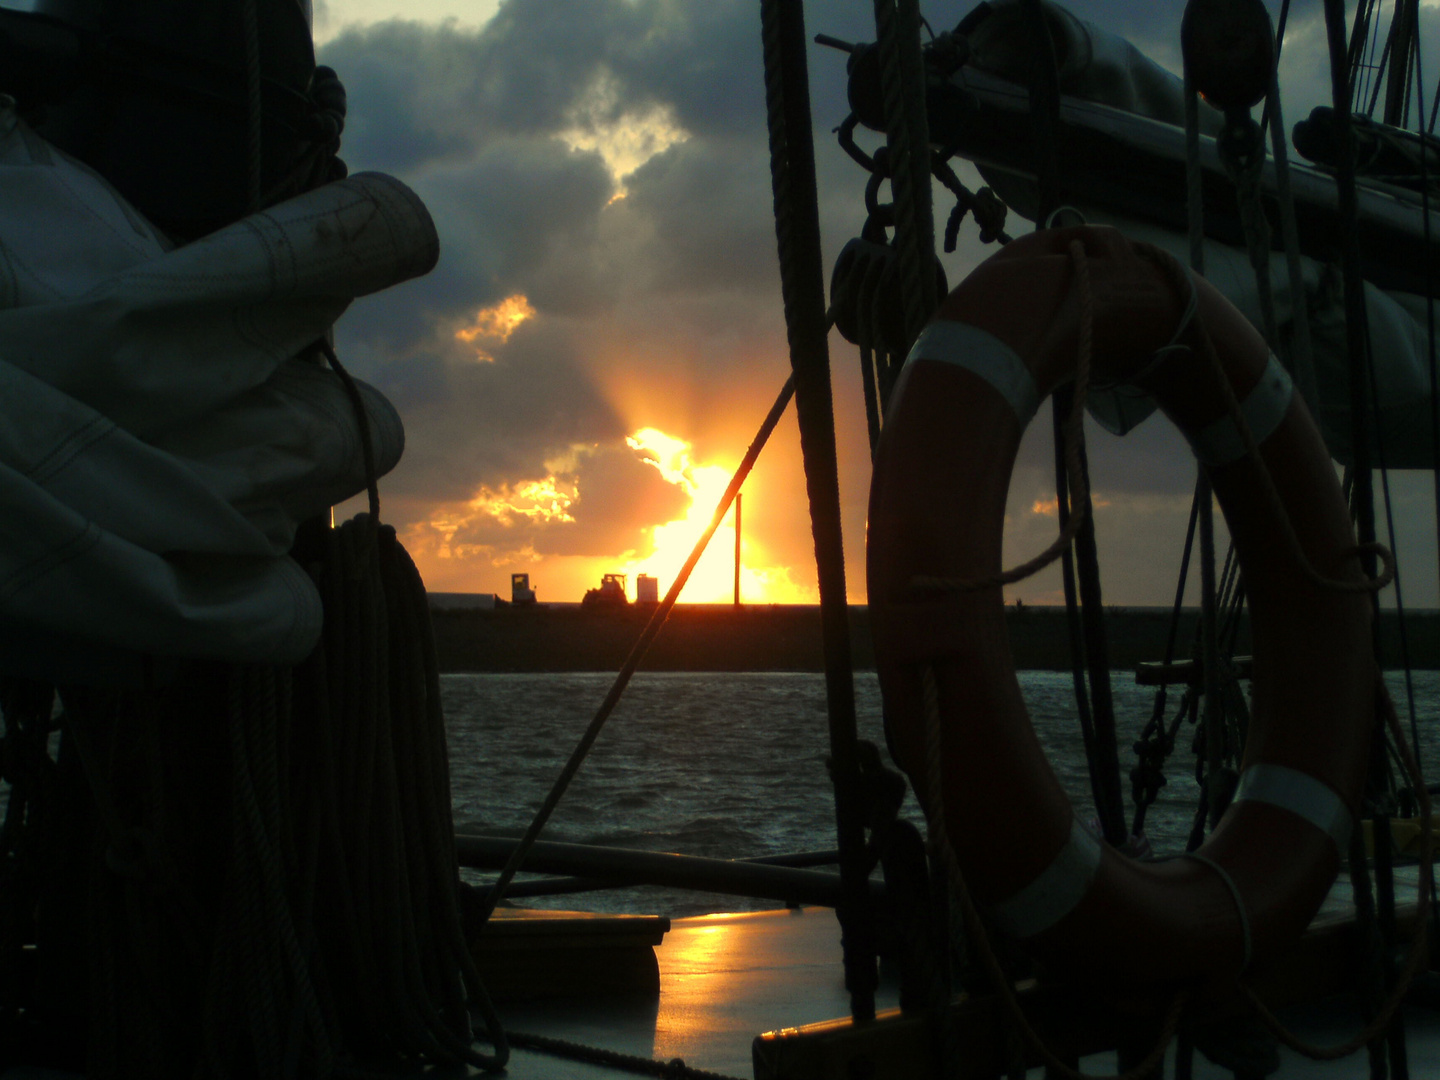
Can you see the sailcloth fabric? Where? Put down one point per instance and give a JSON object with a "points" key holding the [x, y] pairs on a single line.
{"points": [[163, 424], [1100, 67]]}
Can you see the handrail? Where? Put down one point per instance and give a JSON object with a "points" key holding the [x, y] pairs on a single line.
{"points": [[763, 880]]}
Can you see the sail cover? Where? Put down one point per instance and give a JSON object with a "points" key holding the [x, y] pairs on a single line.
{"points": [[163, 428], [1103, 69]]}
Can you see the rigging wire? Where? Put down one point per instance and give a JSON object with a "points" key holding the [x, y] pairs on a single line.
{"points": [[1434, 388], [1206, 769], [1362, 498], [632, 661], [1079, 565]]}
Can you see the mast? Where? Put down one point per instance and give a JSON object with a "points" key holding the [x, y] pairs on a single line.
{"points": [[738, 498]]}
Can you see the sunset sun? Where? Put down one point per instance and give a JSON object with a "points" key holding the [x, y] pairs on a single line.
{"points": [[713, 580]]}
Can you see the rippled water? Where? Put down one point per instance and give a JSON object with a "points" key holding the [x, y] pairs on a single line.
{"points": [[733, 766]]}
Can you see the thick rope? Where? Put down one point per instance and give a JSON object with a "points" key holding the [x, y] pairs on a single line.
{"points": [[1074, 432], [1302, 352], [979, 935], [1247, 176], [902, 80], [802, 287], [395, 959]]}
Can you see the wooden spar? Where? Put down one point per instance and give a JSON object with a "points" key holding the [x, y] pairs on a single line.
{"points": [[784, 883], [560, 886]]}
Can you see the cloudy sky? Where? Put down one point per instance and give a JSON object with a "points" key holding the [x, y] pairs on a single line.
{"points": [[604, 333]]}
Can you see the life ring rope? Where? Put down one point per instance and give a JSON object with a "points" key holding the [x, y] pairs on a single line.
{"points": [[1230, 438], [997, 363]]}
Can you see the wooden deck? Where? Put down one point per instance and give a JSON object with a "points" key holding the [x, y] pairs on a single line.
{"points": [[727, 978], [724, 979]]}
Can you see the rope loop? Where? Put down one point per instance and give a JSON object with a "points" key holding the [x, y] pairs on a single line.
{"points": [[1178, 274], [1074, 439]]}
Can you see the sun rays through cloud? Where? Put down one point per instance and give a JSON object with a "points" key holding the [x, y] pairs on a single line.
{"points": [[549, 524], [713, 578]]}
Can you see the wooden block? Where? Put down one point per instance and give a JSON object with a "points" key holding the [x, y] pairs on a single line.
{"points": [[896, 1046], [527, 954]]}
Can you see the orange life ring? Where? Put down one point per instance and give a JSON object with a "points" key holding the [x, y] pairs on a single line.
{"points": [[1000, 343]]}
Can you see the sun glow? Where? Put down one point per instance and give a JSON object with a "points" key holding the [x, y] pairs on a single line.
{"points": [[536, 501], [1051, 507], [494, 325], [713, 579]]}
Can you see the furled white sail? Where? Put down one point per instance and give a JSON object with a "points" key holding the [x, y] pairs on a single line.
{"points": [[1100, 72], [161, 434]]}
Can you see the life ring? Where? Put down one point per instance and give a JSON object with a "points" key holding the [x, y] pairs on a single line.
{"points": [[1000, 343]]}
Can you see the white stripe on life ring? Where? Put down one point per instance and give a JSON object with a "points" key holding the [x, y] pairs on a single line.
{"points": [[1300, 793], [982, 353], [1054, 894], [1264, 407]]}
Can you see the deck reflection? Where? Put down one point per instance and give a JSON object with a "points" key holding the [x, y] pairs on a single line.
{"points": [[726, 978]]}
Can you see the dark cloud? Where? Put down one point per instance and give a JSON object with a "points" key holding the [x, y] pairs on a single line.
{"points": [[699, 201], [610, 496], [618, 494], [523, 215], [663, 307], [470, 423]]}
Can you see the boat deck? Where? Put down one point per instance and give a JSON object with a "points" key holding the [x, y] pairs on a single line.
{"points": [[726, 978], [723, 980]]}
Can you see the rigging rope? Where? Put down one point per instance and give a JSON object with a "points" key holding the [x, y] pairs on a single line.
{"points": [[903, 78], [1074, 435], [276, 893], [797, 227]]}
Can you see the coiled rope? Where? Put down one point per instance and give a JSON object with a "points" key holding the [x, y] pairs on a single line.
{"points": [[276, 891], [902, 81]]}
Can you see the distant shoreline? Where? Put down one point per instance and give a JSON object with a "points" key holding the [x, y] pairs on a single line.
{"points": [[763, 637]]}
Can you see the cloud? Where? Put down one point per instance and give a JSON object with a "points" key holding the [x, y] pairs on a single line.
{"points": [[593, 503], [658, 309], [494, 325]]}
